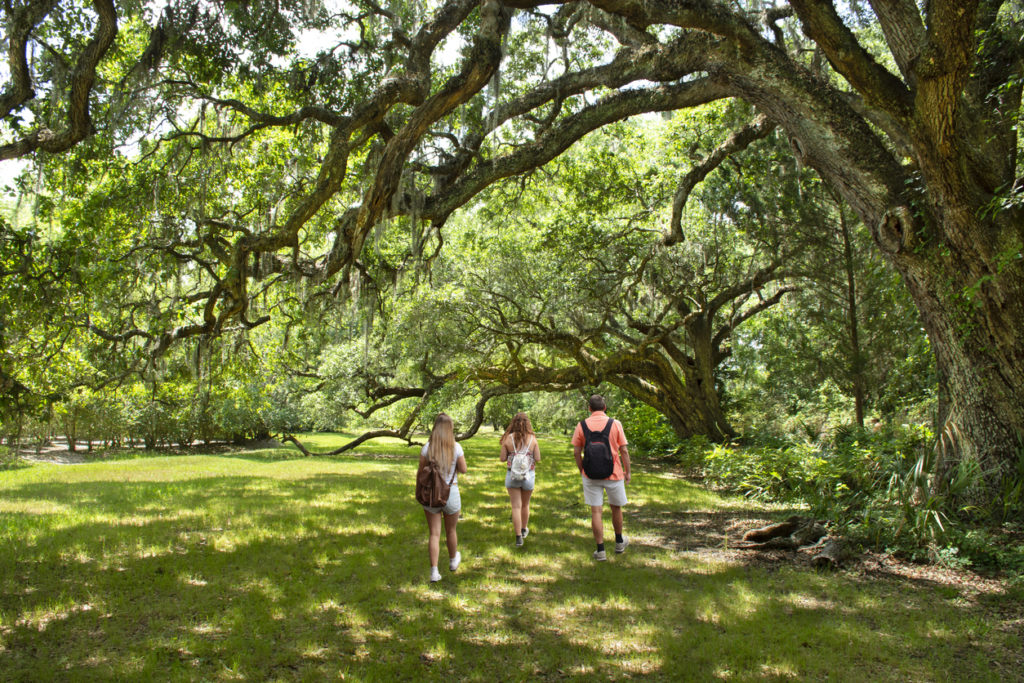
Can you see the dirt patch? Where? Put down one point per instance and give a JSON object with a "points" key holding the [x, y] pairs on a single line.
{"points": [[715, 535]]}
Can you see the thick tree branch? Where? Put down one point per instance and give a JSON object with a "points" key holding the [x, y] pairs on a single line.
{"points": [[739, 140], [79, 122], [561, 136], [880, 88], [904, 33], [20, 22]]}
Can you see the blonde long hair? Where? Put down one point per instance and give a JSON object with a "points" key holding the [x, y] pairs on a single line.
{"points": [[441, 446], [520, 429]]}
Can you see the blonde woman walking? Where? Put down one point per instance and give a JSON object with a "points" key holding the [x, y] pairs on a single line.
{"points": [[520, 453], [442, 449]]}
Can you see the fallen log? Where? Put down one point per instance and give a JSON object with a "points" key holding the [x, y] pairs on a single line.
{"points": [[795, 533], [766, 533], [777, 543], [832, 556]]}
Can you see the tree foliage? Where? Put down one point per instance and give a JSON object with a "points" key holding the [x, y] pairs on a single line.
{"points": [[231, 153]]}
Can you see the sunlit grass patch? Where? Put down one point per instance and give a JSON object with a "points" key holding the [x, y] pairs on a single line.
{"points": [[226, 568]]}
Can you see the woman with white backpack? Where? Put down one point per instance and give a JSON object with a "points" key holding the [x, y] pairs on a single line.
{"points": [[520, 453]]}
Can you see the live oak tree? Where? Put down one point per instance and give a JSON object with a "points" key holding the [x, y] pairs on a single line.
{"points": [[411, 109], [561, 283]]}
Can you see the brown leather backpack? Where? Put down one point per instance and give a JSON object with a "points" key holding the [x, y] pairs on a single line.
{"points": [[431, 488]]}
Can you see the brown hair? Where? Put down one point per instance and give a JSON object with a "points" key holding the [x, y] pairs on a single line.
{"points": [[441, 446], [520, 428], [597, 403]]}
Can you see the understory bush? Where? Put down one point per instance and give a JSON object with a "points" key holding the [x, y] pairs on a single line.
{"points": [[888, 489], [649, 432]]}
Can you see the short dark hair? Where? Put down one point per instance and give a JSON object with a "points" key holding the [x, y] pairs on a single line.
{"points": [[597, 403]]}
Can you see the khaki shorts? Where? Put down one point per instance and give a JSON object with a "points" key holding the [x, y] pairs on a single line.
{"points": [[593, 491]]}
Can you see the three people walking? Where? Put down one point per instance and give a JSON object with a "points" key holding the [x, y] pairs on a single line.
{"points": [[597, 438]]}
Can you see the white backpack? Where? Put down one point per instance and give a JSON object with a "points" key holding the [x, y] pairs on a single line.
{"points": [[521, 461]]}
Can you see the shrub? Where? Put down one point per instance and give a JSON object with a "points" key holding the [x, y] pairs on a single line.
{"points": [[648, 431], [886, 489]]}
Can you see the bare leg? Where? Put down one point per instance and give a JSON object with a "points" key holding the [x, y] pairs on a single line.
{"points": [[450, 536], [515, 496], [434, 543], [526, 508], [596, 524], [617, 518]]}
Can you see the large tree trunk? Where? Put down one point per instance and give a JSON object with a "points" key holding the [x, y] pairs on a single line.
{"points": [[688, 412], [937, 218], [976, 324]]}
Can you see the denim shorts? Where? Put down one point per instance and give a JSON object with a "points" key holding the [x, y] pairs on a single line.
{"points": [[593, 491], [454, 504], [525, 484]]}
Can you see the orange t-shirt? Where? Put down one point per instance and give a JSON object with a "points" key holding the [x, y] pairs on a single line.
{"points": [[616, 437]]}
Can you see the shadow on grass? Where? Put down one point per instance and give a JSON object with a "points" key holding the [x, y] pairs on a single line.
{"points": [[321, 574]]}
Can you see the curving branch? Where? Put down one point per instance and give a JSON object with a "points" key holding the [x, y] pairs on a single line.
{"points": [[21, 21], [79, 124], [738, 141], [562, 135]]}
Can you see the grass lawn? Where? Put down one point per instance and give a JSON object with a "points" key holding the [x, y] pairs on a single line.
{"points": [[263, 566]]}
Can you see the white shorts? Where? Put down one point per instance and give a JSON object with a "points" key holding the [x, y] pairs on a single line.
{"points": [[593, 491], [453, 505]]}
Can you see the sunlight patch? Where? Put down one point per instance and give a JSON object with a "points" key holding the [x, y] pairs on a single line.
{"points": [[777, 671], [43, 618], [193, 580], [497, 638], [35, 507]]}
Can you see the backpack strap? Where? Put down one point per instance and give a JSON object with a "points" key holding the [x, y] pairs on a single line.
{"points": [[607, 427], [455, 467], [586, 430]]}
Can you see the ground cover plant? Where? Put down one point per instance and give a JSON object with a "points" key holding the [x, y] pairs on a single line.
{"points": [[261, 565]]}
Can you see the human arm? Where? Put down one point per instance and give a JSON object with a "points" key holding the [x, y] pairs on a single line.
{"points": [[505, 451], [577, 446], [460, 460], [624, 459], [536, 450]]}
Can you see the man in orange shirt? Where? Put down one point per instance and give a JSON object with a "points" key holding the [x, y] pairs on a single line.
{"points": [[615, 484]]}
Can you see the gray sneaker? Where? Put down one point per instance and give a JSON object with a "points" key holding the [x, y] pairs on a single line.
{"points": [[526, 532], [519, 541], [621, 547], [600, 555]]}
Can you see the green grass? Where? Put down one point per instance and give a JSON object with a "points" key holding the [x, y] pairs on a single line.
{"points": [[262, 566]]}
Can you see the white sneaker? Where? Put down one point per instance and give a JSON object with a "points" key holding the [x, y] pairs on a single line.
{"points": [[435, 575], [526, 532], [453, 563], [600, 555], [621, 547]]}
